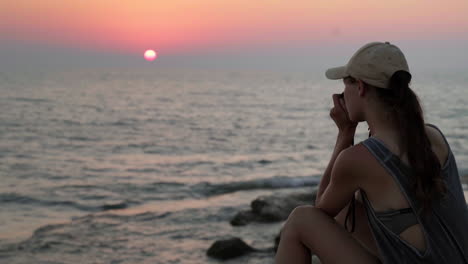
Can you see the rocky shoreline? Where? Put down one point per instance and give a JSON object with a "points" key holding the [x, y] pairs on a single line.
{"points": [[264, 209]]}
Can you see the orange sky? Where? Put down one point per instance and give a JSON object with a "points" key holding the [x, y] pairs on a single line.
{"points": [[184, 26]]}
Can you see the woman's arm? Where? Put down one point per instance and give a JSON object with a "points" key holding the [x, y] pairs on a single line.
{"points": [[343, 141], [346, 131], [343, 183]]}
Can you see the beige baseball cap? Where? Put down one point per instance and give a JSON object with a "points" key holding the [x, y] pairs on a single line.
{"points": [[374, 63]]}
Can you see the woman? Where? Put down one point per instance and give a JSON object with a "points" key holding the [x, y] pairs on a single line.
{"points": [[403, 182]]}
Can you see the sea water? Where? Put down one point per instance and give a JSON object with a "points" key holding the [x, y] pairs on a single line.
{"points": [[150, 165]]}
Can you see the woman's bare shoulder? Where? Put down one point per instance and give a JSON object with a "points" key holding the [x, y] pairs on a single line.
{"points": [[360, 159], [359, 153], [435, 136], [372, 177], [438, 144]]}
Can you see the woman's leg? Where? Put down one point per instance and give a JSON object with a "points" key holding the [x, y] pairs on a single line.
{"points": [[308, 228]]}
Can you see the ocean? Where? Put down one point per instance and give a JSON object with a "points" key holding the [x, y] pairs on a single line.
{"points": [[150, 165]]}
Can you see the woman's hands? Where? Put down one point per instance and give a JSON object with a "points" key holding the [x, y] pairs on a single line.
{"points": [[340, 116]]}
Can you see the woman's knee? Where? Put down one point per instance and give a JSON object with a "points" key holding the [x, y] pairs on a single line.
{"points": [[302, 211], [297, 219]]}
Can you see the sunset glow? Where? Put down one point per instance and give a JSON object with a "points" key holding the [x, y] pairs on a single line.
{"points": [[185, 26]]}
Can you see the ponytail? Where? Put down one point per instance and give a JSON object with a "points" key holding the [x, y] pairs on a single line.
{"points": [[427, 182]]}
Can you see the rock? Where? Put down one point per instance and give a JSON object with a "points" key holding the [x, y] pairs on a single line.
{"points": [[229, 248], [272, 208], [243, 217]]}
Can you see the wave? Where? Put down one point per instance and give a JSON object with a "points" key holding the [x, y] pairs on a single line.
{"points": [[168, 190], [14, 198], [278, 182], [30, 100], [77, 233], [95, 201]]}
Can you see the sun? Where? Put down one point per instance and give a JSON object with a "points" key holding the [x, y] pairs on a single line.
{"points": [[150, 55]]}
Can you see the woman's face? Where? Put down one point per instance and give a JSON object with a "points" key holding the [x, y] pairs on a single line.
{"points": [[351, 97]]}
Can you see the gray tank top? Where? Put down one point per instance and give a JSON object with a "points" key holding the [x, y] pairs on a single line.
{"points": [[446, 228]]}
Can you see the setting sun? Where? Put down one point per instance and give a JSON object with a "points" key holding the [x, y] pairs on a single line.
{"points": [[150, 55]]}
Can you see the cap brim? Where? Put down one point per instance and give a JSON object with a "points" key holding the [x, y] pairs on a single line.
{"points": [[336, 73]]}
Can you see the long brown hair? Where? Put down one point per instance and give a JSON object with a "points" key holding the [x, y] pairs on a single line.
{"points": [[427, 182]]}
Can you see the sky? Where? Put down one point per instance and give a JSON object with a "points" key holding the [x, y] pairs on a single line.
{"points": [[263, 33]]}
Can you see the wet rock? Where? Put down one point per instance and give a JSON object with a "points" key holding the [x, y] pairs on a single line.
{"points": [[273, 208], [243, 217], [229, 248]]}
